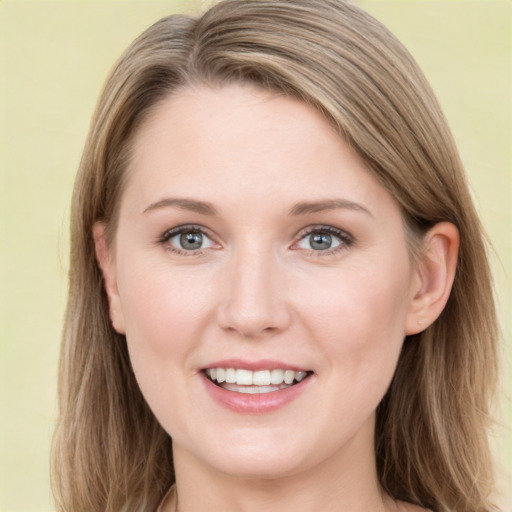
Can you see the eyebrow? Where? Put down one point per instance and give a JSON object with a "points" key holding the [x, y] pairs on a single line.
{"points": [[306, 207], [302, 208], [190, 205]]}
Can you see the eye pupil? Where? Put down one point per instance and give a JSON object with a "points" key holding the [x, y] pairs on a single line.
{"points": [[321, 241], [191, 240]]}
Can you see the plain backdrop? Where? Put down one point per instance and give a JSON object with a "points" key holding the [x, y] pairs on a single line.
{"points": [[54, 58]]}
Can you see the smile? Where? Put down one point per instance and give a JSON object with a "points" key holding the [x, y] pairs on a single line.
{"points": [[254, 382]]}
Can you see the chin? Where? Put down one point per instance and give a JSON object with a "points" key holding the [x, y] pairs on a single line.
{"points": [[254, 457], [259, 466]]}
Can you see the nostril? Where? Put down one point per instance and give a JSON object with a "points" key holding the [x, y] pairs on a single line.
{"points": [[253, 304]]}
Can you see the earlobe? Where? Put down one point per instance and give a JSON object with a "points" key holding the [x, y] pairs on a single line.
{"points": [[434, 276], [104, 258]]}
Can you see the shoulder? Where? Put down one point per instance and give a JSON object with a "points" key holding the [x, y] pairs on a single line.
{"points": [[169, 501]]}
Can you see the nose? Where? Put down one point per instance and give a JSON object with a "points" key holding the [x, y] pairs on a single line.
{"points": [[254, 303]]}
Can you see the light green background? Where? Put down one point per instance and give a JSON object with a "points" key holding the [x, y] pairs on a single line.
{"points": [[54, 58]]}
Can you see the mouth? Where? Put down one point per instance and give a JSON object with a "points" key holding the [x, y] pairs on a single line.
{"points": [[255, 382]]}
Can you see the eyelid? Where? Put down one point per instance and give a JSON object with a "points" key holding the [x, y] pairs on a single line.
{"points": [[346, 239], [184, 228]]}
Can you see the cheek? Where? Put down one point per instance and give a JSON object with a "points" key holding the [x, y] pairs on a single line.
{"points": [[359, 317], [359, 296], [165, 310], [166, 313]]}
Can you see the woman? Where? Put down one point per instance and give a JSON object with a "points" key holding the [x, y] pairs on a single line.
{"points": [[275, 263]]}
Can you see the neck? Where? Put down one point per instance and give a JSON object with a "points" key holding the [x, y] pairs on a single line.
{"points": [[344, 481]]}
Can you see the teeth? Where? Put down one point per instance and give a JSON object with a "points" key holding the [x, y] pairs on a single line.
{"points": [[289, 376], [261, 378], [299, 376], [221, 374], [276, 376], [244, 378], [253, 390], [231, 375], [268, 378]]}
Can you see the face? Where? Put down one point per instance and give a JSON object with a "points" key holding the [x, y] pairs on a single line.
{"points": [[262, 278]]}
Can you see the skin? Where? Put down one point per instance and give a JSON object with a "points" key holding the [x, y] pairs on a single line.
{"points": [[258, 290]]}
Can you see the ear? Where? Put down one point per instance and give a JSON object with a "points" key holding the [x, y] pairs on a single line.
{"points": [[434, 273], [107, 266]]}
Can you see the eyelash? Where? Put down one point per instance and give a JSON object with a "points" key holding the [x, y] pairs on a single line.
{"points": [[346, 240], [189, 228]]}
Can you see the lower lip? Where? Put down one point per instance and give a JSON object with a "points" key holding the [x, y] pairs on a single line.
{"points": [[259, 403]]}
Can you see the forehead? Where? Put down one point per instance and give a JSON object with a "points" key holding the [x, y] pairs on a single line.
{"points": [[238, 141], [234, 117]]}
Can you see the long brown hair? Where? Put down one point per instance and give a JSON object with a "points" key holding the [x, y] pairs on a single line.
{"points": [[109, 452]]}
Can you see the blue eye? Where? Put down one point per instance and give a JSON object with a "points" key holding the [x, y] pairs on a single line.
{"points": [[323, 239], [187, 239]]}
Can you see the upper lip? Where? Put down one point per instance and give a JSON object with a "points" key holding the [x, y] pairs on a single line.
{"points": [[260, 364]]}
